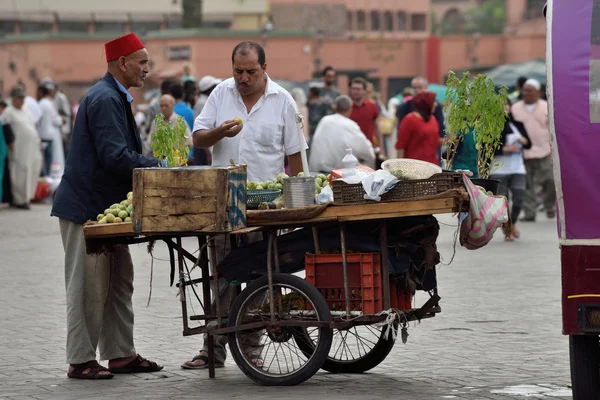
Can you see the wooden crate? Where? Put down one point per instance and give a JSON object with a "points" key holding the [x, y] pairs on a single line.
{"points": [[203, 199]]}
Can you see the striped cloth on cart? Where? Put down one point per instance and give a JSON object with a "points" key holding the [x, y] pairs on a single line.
{"points": [[486, 214]]}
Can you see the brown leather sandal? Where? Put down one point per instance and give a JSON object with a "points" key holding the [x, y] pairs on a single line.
{"points": [[93, 371], [136, 366]]}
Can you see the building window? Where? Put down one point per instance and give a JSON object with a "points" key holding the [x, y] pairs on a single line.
{"points": [[7, 27], [375, 21], [73, 26], [402, 21], [174, 24], [418, 22], [388, 21], [349, 22], [35, 27], [216, 24], [108, 27], [361, 21], [143, 27]]}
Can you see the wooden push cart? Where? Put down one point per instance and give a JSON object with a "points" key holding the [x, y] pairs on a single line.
{"points": [[280, 327], [281, 319]]}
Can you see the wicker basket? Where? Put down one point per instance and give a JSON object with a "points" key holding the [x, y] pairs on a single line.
{"points": [[255, 197], [409, 169], [344, 193]]}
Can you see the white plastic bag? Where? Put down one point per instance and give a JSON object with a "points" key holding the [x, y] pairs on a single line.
{"points": [[378, 183], [358, 177], [325, 196]]}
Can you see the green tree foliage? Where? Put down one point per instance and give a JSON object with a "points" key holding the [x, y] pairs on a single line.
{"points": [[191, 13], [488, 18], [170, 142], [477, 105]]}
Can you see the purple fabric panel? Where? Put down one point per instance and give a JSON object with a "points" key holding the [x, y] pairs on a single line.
{"points": [[578, 140]]}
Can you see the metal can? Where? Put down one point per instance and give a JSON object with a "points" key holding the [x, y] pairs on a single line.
{"points": [[299, 192]]}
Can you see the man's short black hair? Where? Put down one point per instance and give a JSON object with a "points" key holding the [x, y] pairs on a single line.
{"points": [[189, 86], [177, 91], [165, 87], [243, 49], [327, 69], [3, 104], [315, 91], [521, 81], [43, 89]]}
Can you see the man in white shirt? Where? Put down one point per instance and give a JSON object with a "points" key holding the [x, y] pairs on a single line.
{"points": [[336, 133], [267, 133], [49, 130]]}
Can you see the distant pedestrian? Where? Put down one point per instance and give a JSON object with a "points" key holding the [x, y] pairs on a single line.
{"points": [[300, 98], [329, 91], [419, 84], [418, 136], [365, 112], [517, 94], [25, 158], [49, 127], [181, 108], [318, 108], [533, 112], [511, 170], [154, 106]]}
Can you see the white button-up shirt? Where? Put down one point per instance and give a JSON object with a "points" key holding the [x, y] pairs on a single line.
{"points": [[269, 131], [334, 134]]}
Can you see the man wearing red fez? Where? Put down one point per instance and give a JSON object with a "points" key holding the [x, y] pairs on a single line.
{"points": [[105, 148]]}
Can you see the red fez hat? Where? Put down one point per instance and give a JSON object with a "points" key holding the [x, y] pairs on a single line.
{"points": [[122, 46]]}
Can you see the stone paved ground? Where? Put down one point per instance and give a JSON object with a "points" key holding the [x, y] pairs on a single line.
{"points": [[498, 336]]}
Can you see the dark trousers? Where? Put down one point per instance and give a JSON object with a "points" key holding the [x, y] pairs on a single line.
{"points": [[539, 173], [47, 158], [513, 187]]}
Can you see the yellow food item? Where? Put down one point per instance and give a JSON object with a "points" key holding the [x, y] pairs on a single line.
{"points": [[238, 120]]}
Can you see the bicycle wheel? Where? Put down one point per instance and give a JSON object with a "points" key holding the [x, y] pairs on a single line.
{"points": [[354, 350], [270, 356]]}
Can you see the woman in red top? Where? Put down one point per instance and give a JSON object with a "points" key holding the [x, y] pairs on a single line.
{"points": [[419, 133]]}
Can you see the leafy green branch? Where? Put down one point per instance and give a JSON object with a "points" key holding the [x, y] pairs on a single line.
{"points": [[477, 105], [170, 142]]}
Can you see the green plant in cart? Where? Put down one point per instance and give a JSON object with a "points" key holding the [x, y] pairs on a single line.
{"points": [[479, 106], [170, 141]]}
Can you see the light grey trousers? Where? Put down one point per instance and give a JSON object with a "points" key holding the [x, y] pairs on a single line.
{"points": [[99, 291]]}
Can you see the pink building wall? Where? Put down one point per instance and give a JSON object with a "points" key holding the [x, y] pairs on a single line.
{"points": [[80, 62]]}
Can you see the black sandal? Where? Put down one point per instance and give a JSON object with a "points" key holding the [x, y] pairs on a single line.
{"points": [[203, 366], [135, 366], [93, 373]]}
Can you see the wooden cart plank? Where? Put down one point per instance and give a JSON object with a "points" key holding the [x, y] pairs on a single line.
{"points": [[182, 178], [108, 230], [375, 211], [156, 206], [187, 222]]}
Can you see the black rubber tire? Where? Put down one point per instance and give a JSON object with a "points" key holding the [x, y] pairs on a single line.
{"points": [[314, 361], [585, 366], [369, 361]]}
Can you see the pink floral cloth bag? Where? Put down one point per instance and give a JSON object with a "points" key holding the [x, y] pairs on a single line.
{"points": [[486, 214]]}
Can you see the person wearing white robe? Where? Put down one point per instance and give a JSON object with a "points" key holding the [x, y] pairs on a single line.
{"points": [[25, 158], [49, 128]]}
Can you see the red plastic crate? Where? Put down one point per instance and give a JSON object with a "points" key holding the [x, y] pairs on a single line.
{"points": [[325, 272], [400, 297]]}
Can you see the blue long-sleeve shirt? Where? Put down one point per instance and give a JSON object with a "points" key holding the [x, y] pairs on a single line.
{"points": [[105, 149]]}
